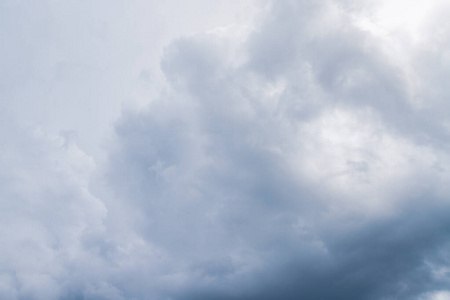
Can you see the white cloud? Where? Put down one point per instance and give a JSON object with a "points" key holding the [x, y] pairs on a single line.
{"points": [[46, 212]]}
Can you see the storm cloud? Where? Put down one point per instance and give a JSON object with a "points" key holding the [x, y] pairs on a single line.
{"points": [[301, 153]]}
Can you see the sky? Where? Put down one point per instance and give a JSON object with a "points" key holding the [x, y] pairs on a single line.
{"points": [[224, 150]]}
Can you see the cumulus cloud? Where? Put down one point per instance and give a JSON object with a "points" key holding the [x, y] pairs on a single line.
{"points": [[47, 214], [302, 154], [302, 160]]}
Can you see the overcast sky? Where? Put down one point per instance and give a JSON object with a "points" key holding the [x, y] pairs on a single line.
{"points": [[224, 150]]}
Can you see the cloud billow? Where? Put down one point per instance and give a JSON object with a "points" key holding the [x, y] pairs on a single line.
{"points": [[295, 164], [302, 154]]}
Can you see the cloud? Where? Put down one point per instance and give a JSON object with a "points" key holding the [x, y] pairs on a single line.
{"points": [[47, 214], [302, 154], [295, 161]]}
